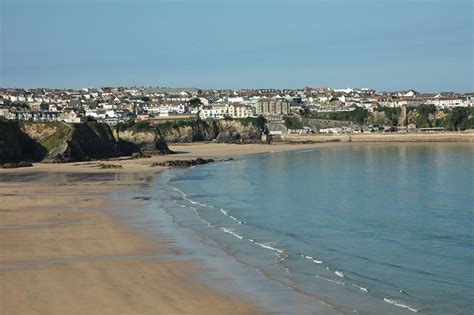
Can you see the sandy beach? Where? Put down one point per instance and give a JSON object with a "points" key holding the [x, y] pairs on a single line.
{"points": [[62, 253]]}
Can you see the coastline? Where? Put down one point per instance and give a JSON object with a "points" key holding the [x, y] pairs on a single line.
{"points": [[445, 136], [63, 252]]}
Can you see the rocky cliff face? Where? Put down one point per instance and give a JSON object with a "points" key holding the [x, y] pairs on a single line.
{"points": [[61, 142], [15, 145], [228, 131], [188, 131], [72, 142], [145, 141]]}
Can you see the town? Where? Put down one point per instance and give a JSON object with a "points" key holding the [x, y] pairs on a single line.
{"points": [[306, 110]]}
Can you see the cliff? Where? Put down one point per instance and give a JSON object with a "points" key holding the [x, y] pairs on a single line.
{"points": [[72, 142], [229, 131], [15, 145], [62, 142], [140, 138]]}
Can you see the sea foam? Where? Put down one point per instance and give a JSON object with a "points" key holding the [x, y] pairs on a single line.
{"points": [[231, 232], [401, 304]]}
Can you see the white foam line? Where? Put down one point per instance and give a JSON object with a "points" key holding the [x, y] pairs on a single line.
{"points": [[281, 256], [400, 304], [231, 232], [319, 262], [340, 274], [361, 288], [330, 280], [226, 213], [192, 201], [235, 219], [270, 248], [200, 218]]}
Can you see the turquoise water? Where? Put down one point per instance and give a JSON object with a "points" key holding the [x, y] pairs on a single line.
{"points": [[371, 229]]}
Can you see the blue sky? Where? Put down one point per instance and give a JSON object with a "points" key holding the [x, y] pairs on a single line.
{"points": [[387, 45]]}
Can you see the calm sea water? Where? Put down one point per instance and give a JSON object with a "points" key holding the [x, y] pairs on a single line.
{"points": [[373, 229]]}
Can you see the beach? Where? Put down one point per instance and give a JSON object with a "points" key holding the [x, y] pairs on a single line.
{"points": [[62, 252]]}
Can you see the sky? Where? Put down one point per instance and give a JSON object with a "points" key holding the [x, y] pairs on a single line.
{"points": [[383, 44]]}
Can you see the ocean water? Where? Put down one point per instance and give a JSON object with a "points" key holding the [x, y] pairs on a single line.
{"points": [[369, 229]]}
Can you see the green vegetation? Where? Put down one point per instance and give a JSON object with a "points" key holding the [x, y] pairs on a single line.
{"points": [[427, 116], [424, 116], [258, 122], [168, 125], [195, 102], [460, 118], [139, 126], [358, 116], [391, 115], [58, 138], [293, 122]]}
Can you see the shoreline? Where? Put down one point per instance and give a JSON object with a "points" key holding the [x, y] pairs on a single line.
{"points": [[72, 246], [64, 251]]}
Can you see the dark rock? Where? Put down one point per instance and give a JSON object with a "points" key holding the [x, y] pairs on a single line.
{"points": [[17, 165], [142, 198], [110, 166], [183, 163]]}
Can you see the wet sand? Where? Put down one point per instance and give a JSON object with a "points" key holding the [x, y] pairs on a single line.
{"points": [[62, 253], [184, 152]]}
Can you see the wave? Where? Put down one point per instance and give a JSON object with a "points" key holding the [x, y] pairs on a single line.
{"points": [[231, 232], [281, 256], [330, 280], [401, 304], [201, 218], [270, 247], [226, 213], [340, 274], [192, 201], [319, 262], [360, 288], [223, 211]]}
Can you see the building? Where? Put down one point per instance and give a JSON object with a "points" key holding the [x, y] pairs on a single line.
{"points": [[216, 111], [273, 106], [240, 111], [70, 116], [4, 112]]}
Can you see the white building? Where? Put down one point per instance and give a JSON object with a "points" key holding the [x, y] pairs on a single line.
{"points": [[241, 111], [444, 102], [216, 111]]}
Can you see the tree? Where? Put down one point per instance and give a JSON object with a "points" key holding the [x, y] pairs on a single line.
{"points": [[261, 121], [458, 119], [293, 122], [195, 102]]}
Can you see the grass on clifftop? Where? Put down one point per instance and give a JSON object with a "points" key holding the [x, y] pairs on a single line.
{"points": [[56, 139]]}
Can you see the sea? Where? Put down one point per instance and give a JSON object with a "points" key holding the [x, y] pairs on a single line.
{"points": [[354, 229]]}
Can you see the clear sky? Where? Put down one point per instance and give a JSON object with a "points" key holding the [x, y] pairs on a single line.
{"points": [[385, 44]]}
